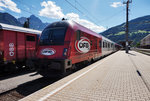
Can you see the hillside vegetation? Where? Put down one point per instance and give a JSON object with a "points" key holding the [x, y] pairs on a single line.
{"points": [[138, 28]]}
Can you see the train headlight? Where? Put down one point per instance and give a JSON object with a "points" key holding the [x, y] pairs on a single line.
{"points": [[1, 53], [65, 51]]}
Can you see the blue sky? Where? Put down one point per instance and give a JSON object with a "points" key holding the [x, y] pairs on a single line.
{"points": [[98, 15]]}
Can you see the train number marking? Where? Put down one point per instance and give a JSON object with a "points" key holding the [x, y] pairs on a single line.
{"points": [[11, 49], [48, 51], [83, 45]]}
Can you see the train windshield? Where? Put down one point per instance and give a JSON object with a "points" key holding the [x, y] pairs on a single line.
{"points": [[53, 36]]}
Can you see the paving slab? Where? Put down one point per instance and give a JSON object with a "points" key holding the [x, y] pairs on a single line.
{"points": [[113, 78]]}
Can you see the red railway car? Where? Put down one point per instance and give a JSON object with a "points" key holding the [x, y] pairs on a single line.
{"points": [[64, 44], [17, 45]]}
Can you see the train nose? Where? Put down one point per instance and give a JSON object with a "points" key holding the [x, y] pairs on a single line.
{"points": [[53, 52]]}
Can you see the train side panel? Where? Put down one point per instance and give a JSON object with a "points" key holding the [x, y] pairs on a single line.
{"points": [[9, 45], [87, 47]]}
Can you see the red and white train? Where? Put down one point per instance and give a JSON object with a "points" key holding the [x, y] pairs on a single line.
{"points": [[17, 46], [64, 44]]}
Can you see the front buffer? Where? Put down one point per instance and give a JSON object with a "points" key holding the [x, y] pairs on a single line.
{"points": [[53, 67]]}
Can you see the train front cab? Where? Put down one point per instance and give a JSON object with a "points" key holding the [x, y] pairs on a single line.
{"points": [[53, 49]]}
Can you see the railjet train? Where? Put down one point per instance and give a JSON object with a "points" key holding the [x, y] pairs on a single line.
{"points": [[65, 44]]}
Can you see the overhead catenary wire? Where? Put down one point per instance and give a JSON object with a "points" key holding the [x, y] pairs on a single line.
{"points": [[73, 7], [86, 10], [80, 11], [95, 18], [110, 17]]}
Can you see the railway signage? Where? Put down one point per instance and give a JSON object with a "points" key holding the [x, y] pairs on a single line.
{"points": [[48, 51], [83, 45], [11, 49]]}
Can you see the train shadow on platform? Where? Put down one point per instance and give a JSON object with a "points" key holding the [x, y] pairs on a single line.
{"points": [[35, 85]]}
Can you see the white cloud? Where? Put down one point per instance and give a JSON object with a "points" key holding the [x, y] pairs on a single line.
{"points": [[51, 10], [10, 5], [1, 9], [83, 22], [116, 4]]}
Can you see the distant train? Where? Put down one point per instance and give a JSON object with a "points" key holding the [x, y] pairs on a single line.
{"points": [[65, 44], [17, 46], [145, 42]]}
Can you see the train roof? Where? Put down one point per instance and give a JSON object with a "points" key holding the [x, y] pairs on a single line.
{"points": [[84, 29], [19, 29], [108, 39], [74, 25]]}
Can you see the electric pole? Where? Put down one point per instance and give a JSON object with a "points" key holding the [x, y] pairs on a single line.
{"points": [[127, 23]]}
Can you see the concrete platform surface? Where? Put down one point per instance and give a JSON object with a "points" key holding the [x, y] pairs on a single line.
{"points": [[118, 77]]}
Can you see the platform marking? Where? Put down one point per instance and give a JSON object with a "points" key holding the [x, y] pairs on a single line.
{"points": [[69, 82]]}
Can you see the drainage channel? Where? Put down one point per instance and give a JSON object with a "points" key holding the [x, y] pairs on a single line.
{"points": [[139, 73]]}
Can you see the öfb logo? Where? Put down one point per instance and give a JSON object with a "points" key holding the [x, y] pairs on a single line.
{"points": [[83, 45]]}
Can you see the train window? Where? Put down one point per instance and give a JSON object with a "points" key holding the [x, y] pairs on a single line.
{"points": [[106, 44], [78, 34], [91, 43], [53, 36], [96, 43], [103, 44], [30, 38], [100, 43]]}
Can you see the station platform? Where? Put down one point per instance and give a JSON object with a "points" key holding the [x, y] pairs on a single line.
{"points": [[118, 77]]}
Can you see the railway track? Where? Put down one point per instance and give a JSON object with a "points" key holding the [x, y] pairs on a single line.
{"points": [[25, 89], [143, 51], [11, 86]]}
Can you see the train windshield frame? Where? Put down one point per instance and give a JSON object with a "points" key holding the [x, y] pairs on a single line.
{"points": [[53, 36]]}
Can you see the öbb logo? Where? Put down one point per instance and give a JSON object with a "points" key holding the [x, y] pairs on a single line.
{"points": [[48, 51], [11, 49], [83, 45]]}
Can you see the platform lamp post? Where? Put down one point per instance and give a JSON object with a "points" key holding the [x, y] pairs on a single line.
{"points": [[127, 24]]}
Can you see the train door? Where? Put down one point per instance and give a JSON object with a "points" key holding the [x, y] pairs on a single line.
{"points": [[30, 45], [20, 46], [96, 50], [100, 46]]}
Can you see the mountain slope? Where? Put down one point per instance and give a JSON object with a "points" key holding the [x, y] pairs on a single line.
{"points": [[138, 28], [35, 22], [9, 19], [22, 20]]}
